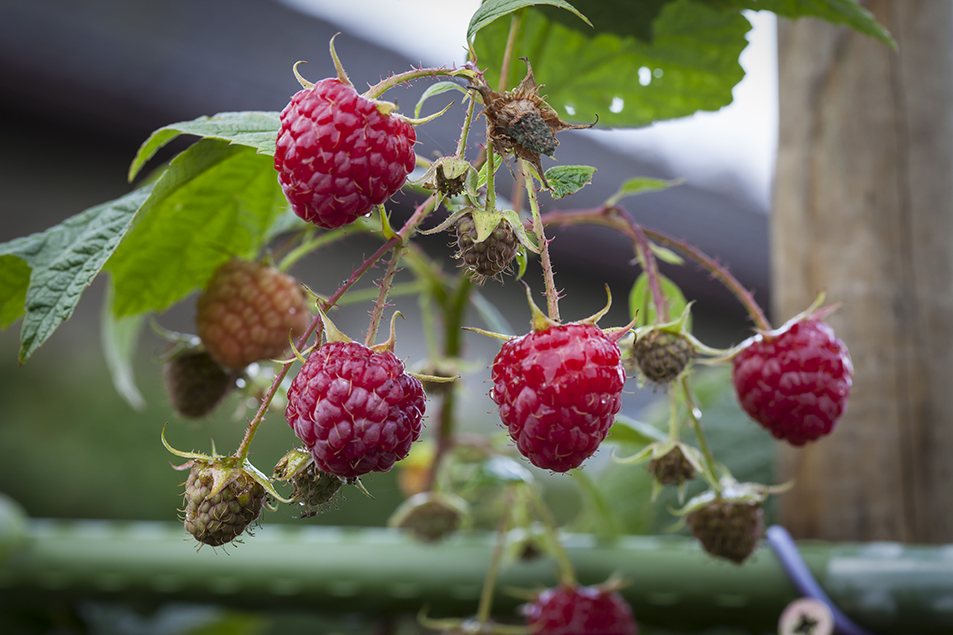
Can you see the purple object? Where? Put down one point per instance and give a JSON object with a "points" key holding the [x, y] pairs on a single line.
{"points": [[786, 551]]}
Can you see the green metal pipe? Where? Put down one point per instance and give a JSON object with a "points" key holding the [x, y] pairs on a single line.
{"points": [[672, 582]]}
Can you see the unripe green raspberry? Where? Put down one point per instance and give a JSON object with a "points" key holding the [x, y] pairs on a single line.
{"points": [[195, 383], [487, 258], [248, 311], [662, 355]]}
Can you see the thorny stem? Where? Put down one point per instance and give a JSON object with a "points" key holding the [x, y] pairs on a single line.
{"points": [[419, 214], [618, 218], [381, 87], [385, 286], [712, 475], [465, 130], [674, 423], [489, 582], [552, 295], [650, 266]]}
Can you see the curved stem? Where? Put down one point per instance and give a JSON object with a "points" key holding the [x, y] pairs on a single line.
{"points": [[489, 582], [385, 286], [383, 86], [618, 218], [552, 295], [567, 573]]}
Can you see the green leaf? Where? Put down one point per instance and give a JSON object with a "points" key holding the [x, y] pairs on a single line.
{"points": [[215, 201], [14, 281], [490, 10], [63, 260], [568, 179], [633, 432], [640, 299], [484, 173], [491, 316], [666, 255], [119, 339], [258, 130], [690, 64], [639, 185], [843, 12], [436, 89]]}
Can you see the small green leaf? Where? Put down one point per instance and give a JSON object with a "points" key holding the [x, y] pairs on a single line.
{"points": [[215, 201], [485, 169], [258, 130], [490, 10], [119, 339], [639, 185], [63, 261], [666, 255], [633, 432], [640, 300], [568, 179], [437, 89]]}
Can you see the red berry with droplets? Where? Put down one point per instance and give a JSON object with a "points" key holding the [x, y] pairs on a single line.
{"points": [[355, 409], [558, 390], [338, 155], [574, 610], [795, 382]]}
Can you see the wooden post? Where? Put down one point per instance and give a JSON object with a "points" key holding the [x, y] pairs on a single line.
{"points": [[864, 210]]}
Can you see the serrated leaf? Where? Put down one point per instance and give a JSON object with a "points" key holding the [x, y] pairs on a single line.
{"points": [[639, 185], [640, 300], [255, 129], [568, 179], [633, 432], [491, 10], [119, 338], [845, 12], [215, 201], [63, 260], [437, 89], [14, 281], [690, 64]]}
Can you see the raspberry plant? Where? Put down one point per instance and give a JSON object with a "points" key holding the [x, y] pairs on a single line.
{"points": [[260, 186]]}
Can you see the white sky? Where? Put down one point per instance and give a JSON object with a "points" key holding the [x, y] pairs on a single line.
{"points": [[725, 150]]}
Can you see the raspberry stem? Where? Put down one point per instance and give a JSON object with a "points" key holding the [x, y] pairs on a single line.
{"points": [[383, 86], [489, 582], [618, 218], [693, 416], [650, 266], [567, 574], [385, 285], [516, 19], [552, 295]]}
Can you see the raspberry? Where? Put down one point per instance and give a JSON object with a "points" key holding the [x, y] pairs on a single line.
{"points": [[357, 410], [728, 529], [247, 312], [795, 382], [195, 383], [338, 155], [430, 516], [558, 391], [575, 610], [220, 502], [491, 256], [662, 356]]}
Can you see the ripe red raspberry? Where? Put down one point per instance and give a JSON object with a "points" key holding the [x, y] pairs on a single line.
{"points": [[247, 312], [338, 155], [566, 610], [795, 382], [355, 409], [558, 391]]}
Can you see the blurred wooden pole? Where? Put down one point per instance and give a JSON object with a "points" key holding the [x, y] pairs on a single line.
{"points": [[864, 210]]}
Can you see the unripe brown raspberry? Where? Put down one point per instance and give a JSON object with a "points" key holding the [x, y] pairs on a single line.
{"points": [[248, 311], [728, 529], [220, 502], [672, 468], [662, 355], [195, 383], [491, 256]]}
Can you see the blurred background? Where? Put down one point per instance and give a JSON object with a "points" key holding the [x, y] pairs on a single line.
{"points": [[82, 84]]}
